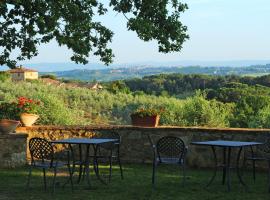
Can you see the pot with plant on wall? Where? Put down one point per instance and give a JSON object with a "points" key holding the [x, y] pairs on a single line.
{"points": [[146, 117], [28, 109], [8, 117]]}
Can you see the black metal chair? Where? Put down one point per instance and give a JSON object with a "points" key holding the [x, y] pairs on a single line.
{"points": [[43, 157], [169, 150], [261, 153], [110, 151]]}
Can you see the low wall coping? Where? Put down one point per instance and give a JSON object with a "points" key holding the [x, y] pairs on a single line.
{"points": [[129, 127]]}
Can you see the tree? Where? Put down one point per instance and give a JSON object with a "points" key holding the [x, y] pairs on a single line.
{"points": [[25, 24]]}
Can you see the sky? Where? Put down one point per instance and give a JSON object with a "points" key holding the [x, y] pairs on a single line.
{"points": [[219, 30]]}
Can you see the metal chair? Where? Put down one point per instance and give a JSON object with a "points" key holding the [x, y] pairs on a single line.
{"points": [[110, 151], [261, 153], [169, 150], [43, 157]]}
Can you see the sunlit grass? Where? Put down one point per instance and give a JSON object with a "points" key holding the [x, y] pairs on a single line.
{"points": [[136, 185]]}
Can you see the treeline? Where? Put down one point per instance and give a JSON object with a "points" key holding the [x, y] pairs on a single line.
{"points": [[175, 84]]}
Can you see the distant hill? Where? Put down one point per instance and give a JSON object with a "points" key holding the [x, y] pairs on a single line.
{"points": [[66, 66], [138, 72]]}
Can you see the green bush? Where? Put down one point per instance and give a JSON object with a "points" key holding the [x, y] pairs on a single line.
{"points": [[197, 111], [50, 76], [4, 76]]}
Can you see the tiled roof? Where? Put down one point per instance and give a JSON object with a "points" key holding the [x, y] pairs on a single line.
{"points": [[21, 70]]}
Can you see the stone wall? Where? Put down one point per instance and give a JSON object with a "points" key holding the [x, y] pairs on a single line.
{"points": [[13, 150], [136, 148]]}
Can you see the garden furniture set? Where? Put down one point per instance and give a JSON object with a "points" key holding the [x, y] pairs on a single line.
{"points": [[167, 150]]}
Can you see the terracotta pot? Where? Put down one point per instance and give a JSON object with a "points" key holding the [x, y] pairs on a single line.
{"points": [[147, 121], [8, 126], [28, 119]]}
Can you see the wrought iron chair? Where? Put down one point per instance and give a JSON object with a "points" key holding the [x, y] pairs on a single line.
{"points": [[169, 150], [261, 153], [43, 157], [110, 152]]}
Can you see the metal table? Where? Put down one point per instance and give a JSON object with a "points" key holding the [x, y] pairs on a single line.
{"points": [[85, 141], [226, 165]]}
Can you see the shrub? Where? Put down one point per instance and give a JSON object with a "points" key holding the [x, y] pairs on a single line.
{"points": [[4, 76], [50, 76], [197, 111]]}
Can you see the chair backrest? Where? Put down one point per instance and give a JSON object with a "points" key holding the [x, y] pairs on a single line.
{"points": [[108, 135], [265, 147], [40, 149], [170, 147]]}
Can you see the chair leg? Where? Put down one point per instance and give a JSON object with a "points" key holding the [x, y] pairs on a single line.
{"points": [[243, 168], [54, 178], [154, 173], [44, 179], [254, 170], [119, 163], [96, 165], [269, 175], [120, 166], [70, 171], [29, 177], [184, 173], [110, 173], [110, 160]]}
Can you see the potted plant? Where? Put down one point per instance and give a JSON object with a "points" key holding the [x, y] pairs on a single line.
{"points": [[8, 112], [147, 117], [8, 126], [29, 110]]}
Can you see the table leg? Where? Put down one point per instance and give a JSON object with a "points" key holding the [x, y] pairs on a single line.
{"points": [[95, 160], [95, 147], [71, 171], [81, 163], [87, 165], [224, 165], [238, 168], [228, 166], [216, 166]]}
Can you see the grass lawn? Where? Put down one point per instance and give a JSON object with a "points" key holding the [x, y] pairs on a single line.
{"points": [[136, 185]]}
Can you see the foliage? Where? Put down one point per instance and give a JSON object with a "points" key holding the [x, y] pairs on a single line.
{"points": [[179, 84], [50, 76], [9, 110], [4, 76], [80, 106], [117, 86], [143, 112], [27, 105], [198, 111], [250, 103], [26, 24]]}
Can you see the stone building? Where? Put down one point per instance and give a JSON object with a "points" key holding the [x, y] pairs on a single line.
{"points": [[22, 74]]}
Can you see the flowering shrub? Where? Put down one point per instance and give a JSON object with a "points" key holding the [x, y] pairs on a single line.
{"points": [[143, 112], [26, 105]]}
